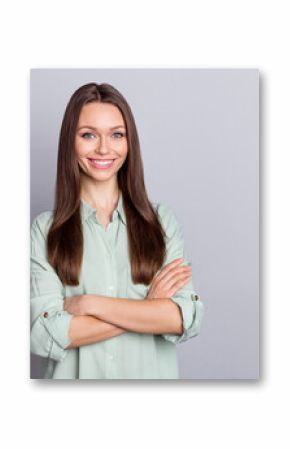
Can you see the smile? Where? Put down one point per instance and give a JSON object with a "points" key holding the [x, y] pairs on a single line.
{"points": [[101, 163]]}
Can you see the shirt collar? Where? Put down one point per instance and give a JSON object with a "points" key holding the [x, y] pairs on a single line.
{"points": [[87, 210]]}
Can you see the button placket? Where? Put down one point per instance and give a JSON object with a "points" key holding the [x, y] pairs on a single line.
{"points": [[111, 366], [111, 289]]}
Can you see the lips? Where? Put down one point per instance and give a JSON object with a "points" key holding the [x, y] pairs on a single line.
{"points": [[101, 164], [102, 160]]}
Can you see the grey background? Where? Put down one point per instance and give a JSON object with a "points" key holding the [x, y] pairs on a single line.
{"points": [[199, 135]]}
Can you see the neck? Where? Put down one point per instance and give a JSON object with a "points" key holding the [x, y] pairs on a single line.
{"points": [[100, 195]]}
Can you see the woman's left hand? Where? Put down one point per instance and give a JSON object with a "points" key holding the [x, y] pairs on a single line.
{"points": [[76, 305]]}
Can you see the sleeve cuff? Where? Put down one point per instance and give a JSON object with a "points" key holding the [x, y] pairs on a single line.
{"points": [[49, 334], [192, 311]]}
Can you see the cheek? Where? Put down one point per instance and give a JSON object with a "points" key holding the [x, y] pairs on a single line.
{"points": [[123, 150], [81, 151]]}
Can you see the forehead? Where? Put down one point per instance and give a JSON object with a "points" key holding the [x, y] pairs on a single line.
{"points": [[100, 115]]}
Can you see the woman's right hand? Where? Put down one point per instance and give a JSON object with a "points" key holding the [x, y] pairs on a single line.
{"points": [[169, 280]]}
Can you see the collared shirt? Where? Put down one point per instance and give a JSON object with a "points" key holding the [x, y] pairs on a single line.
{"points": [[105, 271]]}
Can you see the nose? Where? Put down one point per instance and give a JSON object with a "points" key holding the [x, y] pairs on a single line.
{"points": [[103, 146]]}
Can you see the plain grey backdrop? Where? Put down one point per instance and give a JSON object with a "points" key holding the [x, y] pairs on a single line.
{"points": [[199, 136]]}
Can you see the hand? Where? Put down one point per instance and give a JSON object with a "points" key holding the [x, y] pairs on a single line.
{"points": [[169, 280], [76, 305]]}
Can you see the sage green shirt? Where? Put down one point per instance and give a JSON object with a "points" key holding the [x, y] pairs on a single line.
{"points": [[105, 271]]}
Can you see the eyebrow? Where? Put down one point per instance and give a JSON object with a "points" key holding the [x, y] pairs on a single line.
{"points": [[95, 129]]}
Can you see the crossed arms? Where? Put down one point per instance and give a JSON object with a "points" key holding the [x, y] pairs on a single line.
{"points": [[97, 317]]}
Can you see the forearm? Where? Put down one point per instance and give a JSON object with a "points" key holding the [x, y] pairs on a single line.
{"points": [[85, 330], [154, 316]]}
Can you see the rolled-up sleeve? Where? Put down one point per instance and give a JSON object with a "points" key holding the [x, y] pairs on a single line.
{"points": [[49, 322], [190, 305]]}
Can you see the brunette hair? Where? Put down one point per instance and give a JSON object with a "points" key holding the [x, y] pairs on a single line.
{"points": [[146, 237]]}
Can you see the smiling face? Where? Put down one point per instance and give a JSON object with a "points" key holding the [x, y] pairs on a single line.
{"points": [[101, 141]]}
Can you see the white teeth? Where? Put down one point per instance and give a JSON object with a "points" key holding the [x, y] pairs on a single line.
{"points": [[102, 162]]}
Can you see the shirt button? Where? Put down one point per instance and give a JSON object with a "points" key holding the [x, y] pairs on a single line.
{"points": [[111, 287], [45, 314], [110, 356]]}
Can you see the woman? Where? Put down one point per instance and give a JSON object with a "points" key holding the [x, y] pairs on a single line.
{"points": [[111, 295]]}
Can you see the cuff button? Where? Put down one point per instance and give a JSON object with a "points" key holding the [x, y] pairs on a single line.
{"points": [[45, 314]]}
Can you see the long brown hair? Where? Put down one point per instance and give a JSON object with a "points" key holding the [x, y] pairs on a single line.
{"points": [[146, 237]]}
